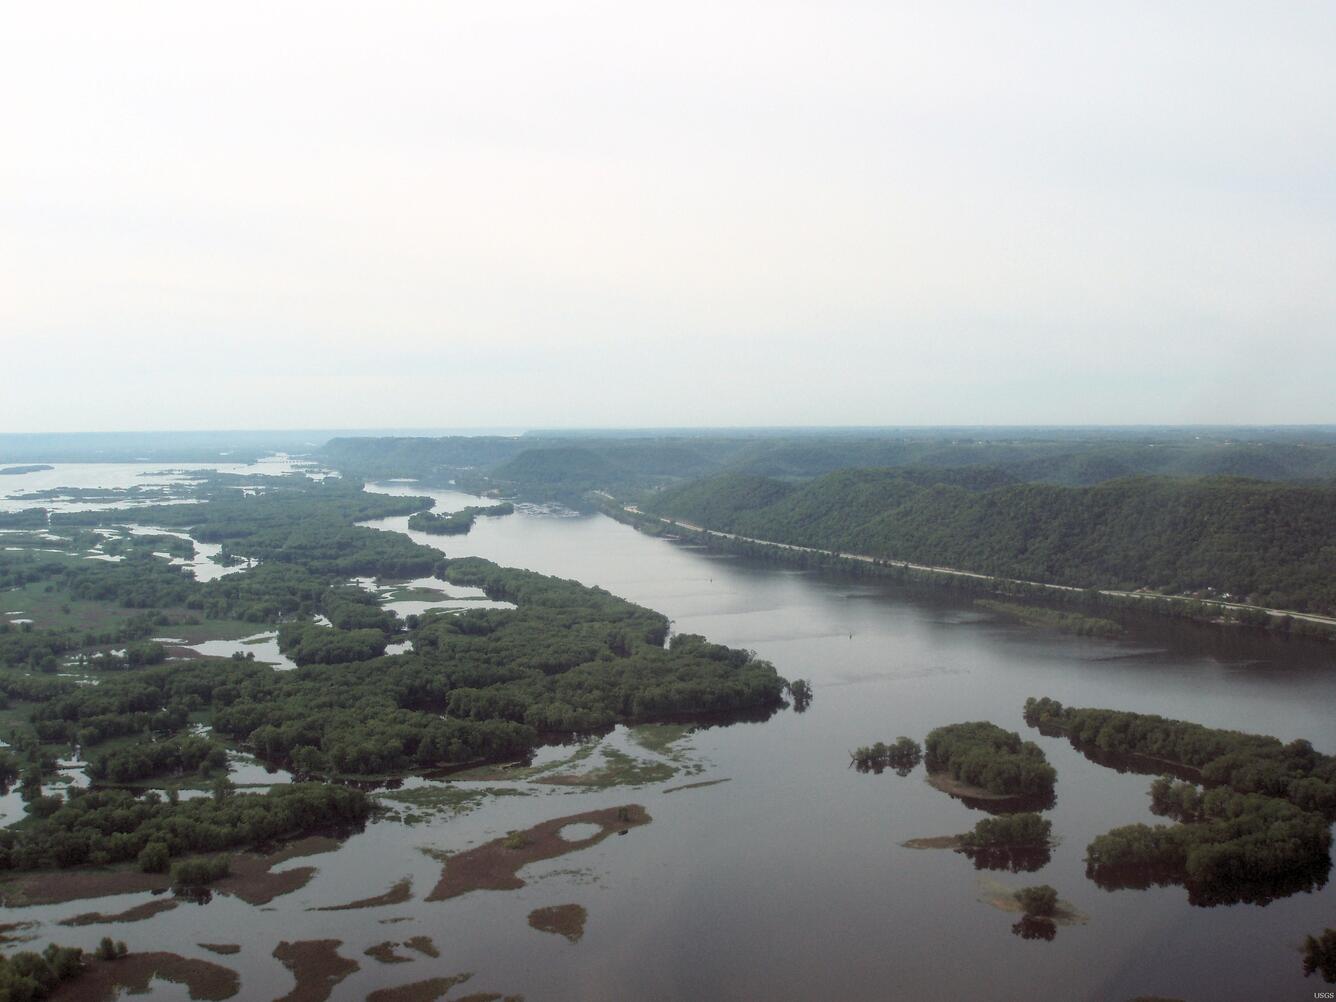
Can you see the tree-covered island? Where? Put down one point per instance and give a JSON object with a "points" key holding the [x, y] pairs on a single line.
{"points": [[989, 759], [1254, 826]]}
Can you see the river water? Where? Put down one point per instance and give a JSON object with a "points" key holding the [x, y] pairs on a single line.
{"points": [[788, 881]]}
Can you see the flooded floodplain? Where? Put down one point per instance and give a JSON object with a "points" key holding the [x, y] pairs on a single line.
{"points": [[771, 869]]}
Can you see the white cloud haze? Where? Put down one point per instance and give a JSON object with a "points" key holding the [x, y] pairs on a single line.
{"points": [[447, 214]]}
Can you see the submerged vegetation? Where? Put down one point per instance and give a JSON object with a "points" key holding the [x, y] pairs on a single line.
{"points": [[902, 756], [1054, 619], [801, 692]]}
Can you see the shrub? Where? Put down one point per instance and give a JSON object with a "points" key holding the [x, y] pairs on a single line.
{"points": [[1040, 901]]}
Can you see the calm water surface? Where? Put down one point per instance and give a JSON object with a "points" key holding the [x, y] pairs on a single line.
{"points": [[788, 881]]}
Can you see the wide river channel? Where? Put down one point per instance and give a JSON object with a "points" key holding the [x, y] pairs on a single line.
{"points": [[789, 881]]}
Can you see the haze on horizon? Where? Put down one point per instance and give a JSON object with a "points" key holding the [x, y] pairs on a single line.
{"points": [[448, 215]]}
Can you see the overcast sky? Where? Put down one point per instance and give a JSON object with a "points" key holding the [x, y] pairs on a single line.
{"points": [[443, 214]]}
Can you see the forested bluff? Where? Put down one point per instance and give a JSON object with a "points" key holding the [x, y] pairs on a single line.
{"points": [[1244, 515]]}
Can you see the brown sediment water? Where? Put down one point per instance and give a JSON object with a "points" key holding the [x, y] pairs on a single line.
{"points": [[495, 865]]}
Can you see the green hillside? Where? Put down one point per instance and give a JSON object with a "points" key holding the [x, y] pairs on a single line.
{"points": [[1272, 544]]}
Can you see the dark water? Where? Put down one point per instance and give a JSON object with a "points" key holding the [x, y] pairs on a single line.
{"points": [[788, 881]]}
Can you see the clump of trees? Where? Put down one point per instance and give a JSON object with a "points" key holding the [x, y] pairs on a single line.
{"points": [[28, 975], [1227, 847], [174, 757], [155, 858], [109, 950], [311, 643], [112, 826], [456, 523], [1320, 955], [800, 690], [902, 755], [987, 756], [1025, 829], [1246, 763], [10, 768], [1040, 901], [200, 871]]}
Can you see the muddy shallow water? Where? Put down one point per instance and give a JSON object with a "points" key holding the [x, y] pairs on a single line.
{"points": [[789, 881]]}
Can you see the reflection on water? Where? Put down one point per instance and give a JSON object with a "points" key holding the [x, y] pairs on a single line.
{"points": [[1033, 927], [1012, 859]]}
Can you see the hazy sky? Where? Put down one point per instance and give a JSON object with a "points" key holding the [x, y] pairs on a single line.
{"points": [[447, 214]]}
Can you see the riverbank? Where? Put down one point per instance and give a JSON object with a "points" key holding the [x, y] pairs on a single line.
{"points": [[1213, 611]]}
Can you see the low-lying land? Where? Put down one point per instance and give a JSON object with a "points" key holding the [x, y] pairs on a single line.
{"points": [[561, 920], [317, 966], [1054, 619], [495, 865], [479, 686], [105, 980]]}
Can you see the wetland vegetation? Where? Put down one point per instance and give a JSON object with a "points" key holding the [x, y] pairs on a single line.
{"points": [[106, 669], [480, 685]]}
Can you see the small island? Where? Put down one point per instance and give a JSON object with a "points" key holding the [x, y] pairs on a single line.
{"points": [[456, 523], [984, 761], [1017, 842], [14, 471]]}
